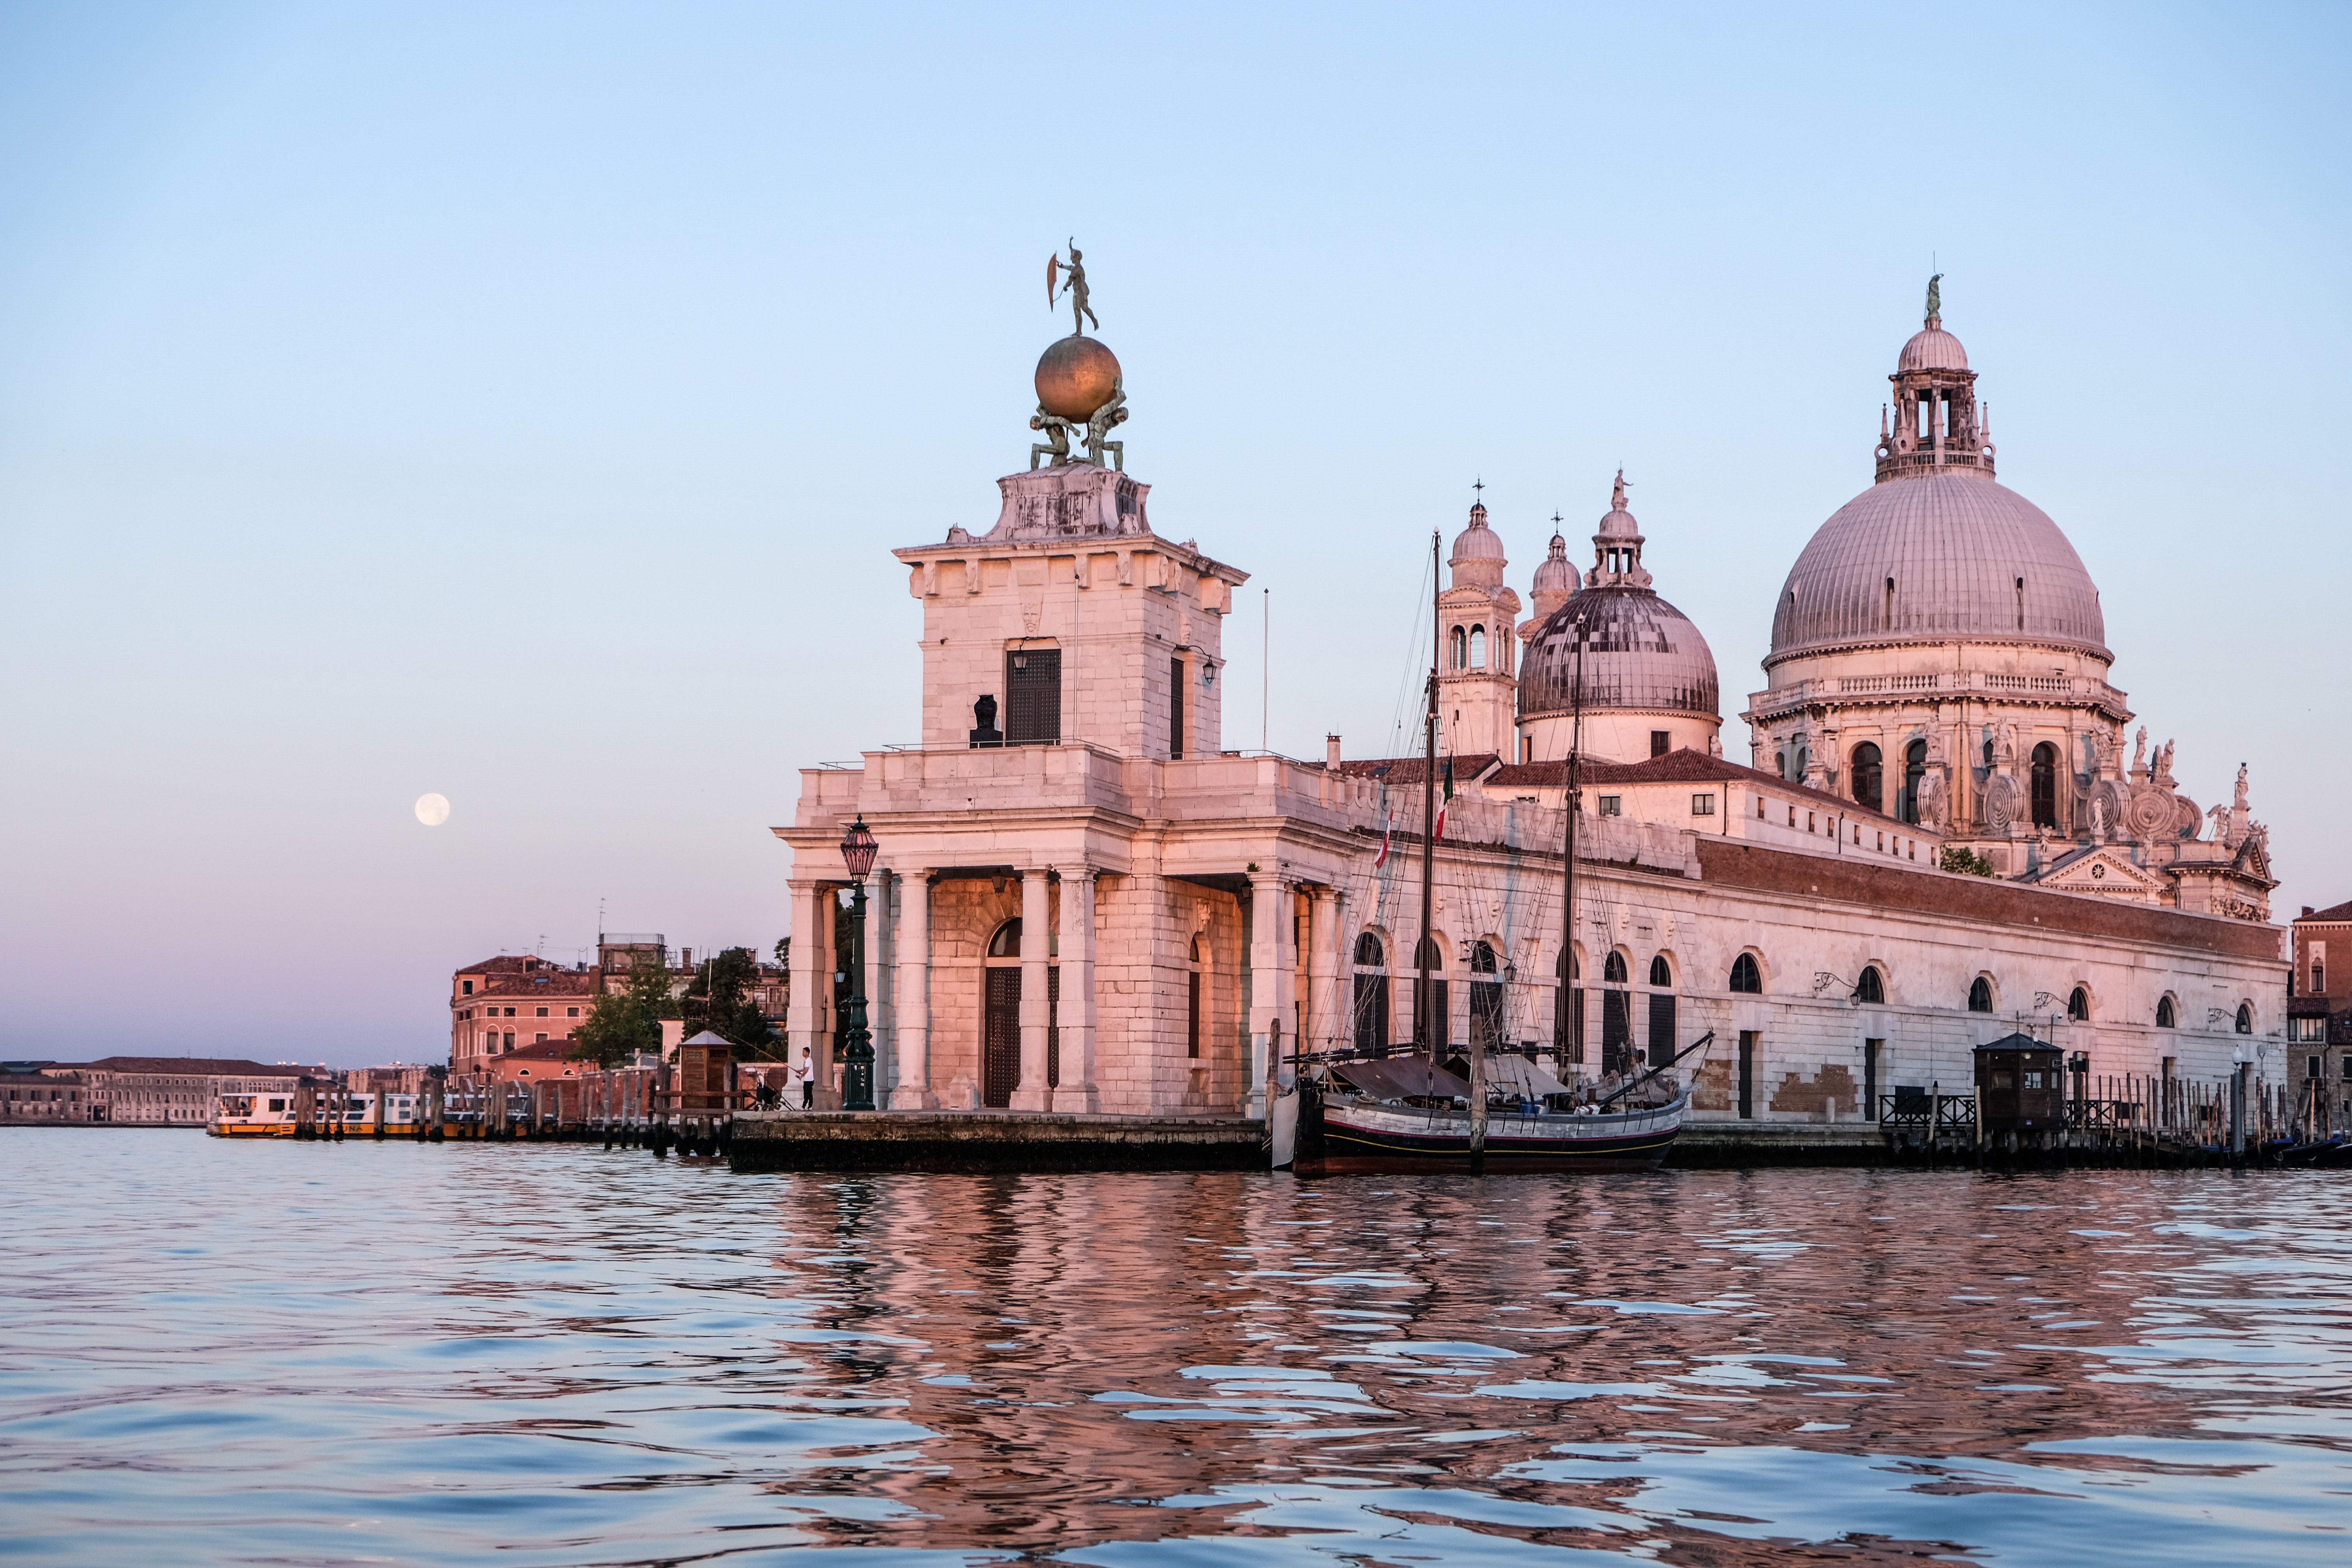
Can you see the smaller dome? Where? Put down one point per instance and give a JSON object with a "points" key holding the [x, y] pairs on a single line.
{"points": [[1932, 348], [1556, 576], [1477, 541], [1618, 523]]}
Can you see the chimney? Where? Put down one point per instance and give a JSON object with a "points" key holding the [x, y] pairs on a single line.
{"points": [[1332, 753], [686, 958]]}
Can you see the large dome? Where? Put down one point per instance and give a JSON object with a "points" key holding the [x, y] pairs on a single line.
{"points": [[1932, 558], [1640, 654]]}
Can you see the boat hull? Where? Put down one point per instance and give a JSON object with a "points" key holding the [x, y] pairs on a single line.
{"points": [[1337, 1136]]}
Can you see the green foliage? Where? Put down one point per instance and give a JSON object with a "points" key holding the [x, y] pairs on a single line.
{"points": [[621, 1022], [716, 1000], [1967, 862]]}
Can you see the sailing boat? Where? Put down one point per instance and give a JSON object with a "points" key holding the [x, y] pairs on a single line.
{"points": [[1414, 1113]]}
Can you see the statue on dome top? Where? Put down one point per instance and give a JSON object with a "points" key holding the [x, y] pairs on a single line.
{"points": [[1934, 297], [1617, 493], [2241, 800], [1074, 288]]}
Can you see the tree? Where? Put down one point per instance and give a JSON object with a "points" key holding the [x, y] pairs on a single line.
{"points": [[715, 1000], [1967, 862], [621, 1023]]}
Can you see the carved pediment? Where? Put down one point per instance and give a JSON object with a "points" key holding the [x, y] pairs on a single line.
{"points": [[2107, 873]]}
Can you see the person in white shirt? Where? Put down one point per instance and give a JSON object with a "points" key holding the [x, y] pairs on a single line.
{"points": [[804, 1070]]}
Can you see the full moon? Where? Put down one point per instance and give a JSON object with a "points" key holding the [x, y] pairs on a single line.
{"points": [[432, 810]]}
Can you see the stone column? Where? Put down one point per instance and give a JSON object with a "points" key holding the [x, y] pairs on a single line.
{"points": [[1078, 1091], [808, 1015], [911, 997], [1272, 990], [1032, 1094], [1325, 1008], [881, 1014]]}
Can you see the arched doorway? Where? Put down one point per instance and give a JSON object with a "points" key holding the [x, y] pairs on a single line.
{"points": [[2045, 786], [1372, 995], [1868, 777], [1568, 1012], [1486, 998], [1616, 1016], [1430, 1023], [999, 1030]]}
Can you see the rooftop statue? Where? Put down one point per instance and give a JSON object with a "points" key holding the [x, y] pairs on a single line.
{"points": [[1074, 287], [1935, 296]]}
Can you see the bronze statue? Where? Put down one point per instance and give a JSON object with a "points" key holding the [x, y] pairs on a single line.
{"points": [[1098, 428], [1934, 297], [1075, 286], [1057, 438]]}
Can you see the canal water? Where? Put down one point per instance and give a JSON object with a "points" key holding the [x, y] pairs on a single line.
{"points": [[304, 1354]]}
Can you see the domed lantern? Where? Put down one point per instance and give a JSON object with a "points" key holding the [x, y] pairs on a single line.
{"points": [[857, 847]]}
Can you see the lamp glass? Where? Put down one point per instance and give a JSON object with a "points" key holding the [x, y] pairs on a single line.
{"points": [[857, 850]]}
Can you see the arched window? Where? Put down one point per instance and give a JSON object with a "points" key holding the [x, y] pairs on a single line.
{"points": [[2078, 1006], [2045, 786], [2245, 1017], [1372, 995], [1870, 987], [1459, 645], [1477, 648], [1613, 969], [1746, 978], [1661, 972], [1980, 995], [1915, 768], [1482, 958], [1007, 942], [2165, 1017], [1868, 789], [1804, 757], [1193, 1002]]}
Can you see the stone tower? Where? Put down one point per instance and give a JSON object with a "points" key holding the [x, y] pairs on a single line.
{"points": [[1475, 688]]}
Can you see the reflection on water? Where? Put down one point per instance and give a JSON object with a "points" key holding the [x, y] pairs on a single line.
{"points": [[305, 1353]]}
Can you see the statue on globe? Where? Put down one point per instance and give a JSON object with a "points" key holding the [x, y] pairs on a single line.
{"points": [[1100, 424], [1074, 287]]}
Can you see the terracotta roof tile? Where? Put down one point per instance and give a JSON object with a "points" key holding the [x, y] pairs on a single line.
{"points": [[557, 983], [2332, 912], [1408, 770]]}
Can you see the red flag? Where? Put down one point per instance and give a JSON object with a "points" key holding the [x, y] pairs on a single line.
{"points": [[1386, 833]]}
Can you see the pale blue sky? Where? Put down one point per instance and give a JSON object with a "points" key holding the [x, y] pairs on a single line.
{"points": [[521, 402]]}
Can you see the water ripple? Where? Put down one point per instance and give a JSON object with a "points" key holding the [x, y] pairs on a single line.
{"points": [[309, 1355]]}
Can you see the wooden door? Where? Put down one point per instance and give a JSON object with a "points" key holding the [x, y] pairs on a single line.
{"points": [[999, 1040]]}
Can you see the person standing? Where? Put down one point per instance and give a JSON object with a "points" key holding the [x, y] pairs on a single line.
{"points": [[804, 1070]]}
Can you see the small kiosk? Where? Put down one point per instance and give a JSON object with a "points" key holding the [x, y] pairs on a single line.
{"points": [[2020, 1087]]}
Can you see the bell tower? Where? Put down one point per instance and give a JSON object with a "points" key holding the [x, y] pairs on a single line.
{"points": [[1477, 689]]}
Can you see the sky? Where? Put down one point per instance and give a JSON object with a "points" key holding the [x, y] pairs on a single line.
{"points": [[519, 403]]}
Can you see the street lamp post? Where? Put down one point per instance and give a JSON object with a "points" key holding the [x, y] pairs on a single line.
{"points": [[858, 848]]}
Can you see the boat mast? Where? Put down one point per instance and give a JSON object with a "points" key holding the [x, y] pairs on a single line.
{"points": [[1569, 1010], [1425, 1000]]}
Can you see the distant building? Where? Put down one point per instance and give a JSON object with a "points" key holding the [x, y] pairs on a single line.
{"points": [[27, 1093], [2319, 1010], [171, 1092], [515, 1000]]}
